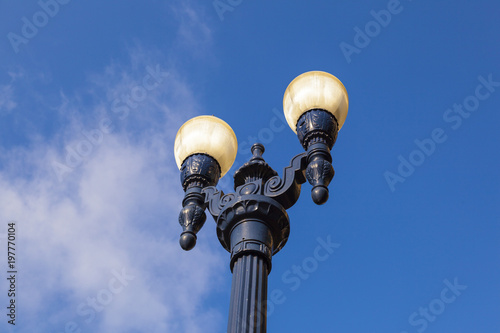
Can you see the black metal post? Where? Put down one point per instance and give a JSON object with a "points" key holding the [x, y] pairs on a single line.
{"points": [[247, 308], [252, 222]]}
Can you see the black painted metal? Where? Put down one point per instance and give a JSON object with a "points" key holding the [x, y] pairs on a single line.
{"points": [[254, 169], [317, 125], [197, 171], [247, 308], [252, 222], [247, 203], [192, 217], [317, 132], [286, 189]]}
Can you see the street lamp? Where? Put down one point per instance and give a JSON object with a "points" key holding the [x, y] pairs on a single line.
{"points": [[252, 222]]}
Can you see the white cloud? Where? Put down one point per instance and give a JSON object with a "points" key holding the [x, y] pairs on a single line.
{"points": [[7, 103], [193, 28], [119, 213], [116, 210]]}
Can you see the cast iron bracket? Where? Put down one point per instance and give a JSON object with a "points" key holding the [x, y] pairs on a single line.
{"points": [[261, 195]]}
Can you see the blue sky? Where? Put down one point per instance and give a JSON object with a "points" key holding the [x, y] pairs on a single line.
{"points": [[91, 98]]}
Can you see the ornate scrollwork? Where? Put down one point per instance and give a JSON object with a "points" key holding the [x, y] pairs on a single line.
{"points": [[217, 200], [249, 204], [249, 188], [286, 190], [259, 192]]}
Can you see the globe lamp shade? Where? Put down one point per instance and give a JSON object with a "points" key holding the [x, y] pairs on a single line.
{"points": [[315, 90], [206, 135]]}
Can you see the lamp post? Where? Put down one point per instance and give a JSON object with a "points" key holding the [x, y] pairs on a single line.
{"points": [[252, 222]]}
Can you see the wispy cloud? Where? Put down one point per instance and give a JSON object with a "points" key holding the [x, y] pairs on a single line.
{"points": [[7, 103], [194, 30], [119, 213], [116, 212]]}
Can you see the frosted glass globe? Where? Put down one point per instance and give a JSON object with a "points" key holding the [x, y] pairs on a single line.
{"points": [[315, 90], [206, 135]]}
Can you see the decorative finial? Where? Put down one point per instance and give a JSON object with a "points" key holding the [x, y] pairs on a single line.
{"points": [[257, 151], [255, 168]]}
